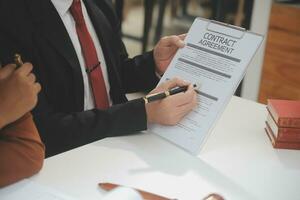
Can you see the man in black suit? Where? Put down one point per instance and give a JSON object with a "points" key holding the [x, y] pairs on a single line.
{"points": [[83, 100]]}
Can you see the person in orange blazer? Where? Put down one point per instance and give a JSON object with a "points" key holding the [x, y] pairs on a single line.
{"points": [[21, 149]]}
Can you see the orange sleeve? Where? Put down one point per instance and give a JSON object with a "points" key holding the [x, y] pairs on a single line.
{"points": [[21, 151]]}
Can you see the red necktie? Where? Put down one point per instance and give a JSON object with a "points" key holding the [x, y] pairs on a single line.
{"points": [[93, 65]]}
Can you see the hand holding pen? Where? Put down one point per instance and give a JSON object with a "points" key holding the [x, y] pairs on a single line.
{"points": [[169, 109], [161, 95], [18, 91]]}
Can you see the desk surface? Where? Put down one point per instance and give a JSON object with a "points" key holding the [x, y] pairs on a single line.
{"points": [[237, 162]]}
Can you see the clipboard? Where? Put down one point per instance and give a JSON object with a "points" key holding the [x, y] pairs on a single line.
{"points": [[216, 55]]}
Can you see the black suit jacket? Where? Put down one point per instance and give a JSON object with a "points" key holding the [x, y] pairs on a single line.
{"points": [[34, 29]]}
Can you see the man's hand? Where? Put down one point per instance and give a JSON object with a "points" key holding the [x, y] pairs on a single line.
{"points": [[172, 109], [18, 92], [165, 50]]}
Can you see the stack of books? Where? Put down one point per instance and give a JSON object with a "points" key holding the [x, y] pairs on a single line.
{"points": [[283, 123]]}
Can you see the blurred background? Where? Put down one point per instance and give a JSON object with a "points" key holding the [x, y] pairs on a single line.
{"points": [[274, 71]]}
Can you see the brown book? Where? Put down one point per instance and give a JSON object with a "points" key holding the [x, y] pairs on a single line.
{"points": [[281, 145], [283, 134], [286, 113]]}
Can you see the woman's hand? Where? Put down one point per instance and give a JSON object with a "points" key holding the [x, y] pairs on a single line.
{"points": [[18, 92]]}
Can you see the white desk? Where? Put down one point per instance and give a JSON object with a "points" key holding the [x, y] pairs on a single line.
{"points": [[237, 162]]}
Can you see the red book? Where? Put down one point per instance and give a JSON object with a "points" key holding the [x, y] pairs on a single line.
{"points": [[286, 113], [283, 134], [281, 145]]}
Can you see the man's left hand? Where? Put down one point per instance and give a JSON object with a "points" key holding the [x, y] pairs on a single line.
{"points": [[165, 50]]}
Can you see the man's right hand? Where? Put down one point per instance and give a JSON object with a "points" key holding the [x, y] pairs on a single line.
{"points": [[18, 92], [172, 109]]}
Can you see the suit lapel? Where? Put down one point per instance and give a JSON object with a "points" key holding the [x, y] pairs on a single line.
{"points": [[48, 23], [101, 26], [52, 28]]}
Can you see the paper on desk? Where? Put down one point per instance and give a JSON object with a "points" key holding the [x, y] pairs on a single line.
{"points": [[216, 56], [29, 190]]}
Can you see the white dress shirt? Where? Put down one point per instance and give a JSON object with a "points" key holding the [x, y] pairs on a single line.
{"points": [[62, 7]]}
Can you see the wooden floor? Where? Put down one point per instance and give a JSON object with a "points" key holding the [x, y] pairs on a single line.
{"points": [[281, 71]]}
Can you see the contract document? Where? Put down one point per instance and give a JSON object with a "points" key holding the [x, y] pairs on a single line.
{"points": [[216, 56]]}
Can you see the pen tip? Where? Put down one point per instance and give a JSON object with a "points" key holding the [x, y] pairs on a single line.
{"points": [[197, 88]]}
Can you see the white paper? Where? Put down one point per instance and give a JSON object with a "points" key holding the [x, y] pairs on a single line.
{"points": [[29, 190], [216, 56]]}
